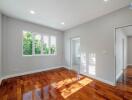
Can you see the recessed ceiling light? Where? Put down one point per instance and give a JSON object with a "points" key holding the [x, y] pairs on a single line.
{"points": [[32, 12], [106, 0], [62, 23]]}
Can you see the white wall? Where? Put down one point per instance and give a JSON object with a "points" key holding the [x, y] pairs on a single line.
{"points": [[13, 61], [121, 52], [98, 37], [0, 47], [129, 50]]}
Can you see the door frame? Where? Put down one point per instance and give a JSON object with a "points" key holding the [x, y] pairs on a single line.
{"points": [[123, 51], [71, 39], [115, 47]]}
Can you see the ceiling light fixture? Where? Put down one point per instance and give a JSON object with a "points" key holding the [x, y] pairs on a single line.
{"points": [[32, 12], [106, 0], [62, 23]]}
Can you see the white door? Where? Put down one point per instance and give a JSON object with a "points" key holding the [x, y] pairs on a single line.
{"points": [[75, 54]]}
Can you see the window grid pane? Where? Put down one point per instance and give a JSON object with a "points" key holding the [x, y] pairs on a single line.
{"points": [[53, 45], [37, 44], [46, 49], [27, 43]]}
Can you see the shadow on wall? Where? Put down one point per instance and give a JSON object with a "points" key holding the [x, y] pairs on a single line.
{"points": [[88, 64]]}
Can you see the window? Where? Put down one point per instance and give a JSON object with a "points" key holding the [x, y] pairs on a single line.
{"points": [[46, 45], [53, 45], [38, 44], [27, 43]]}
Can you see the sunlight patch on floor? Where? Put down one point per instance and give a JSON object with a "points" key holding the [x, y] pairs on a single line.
{"points": [[65, 82], [66, 92]]}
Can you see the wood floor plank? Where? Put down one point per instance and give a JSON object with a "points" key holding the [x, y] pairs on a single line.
{"points": [[64, 84]]}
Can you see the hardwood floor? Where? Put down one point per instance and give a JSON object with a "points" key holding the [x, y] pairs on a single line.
{"points": [[63, 84]]}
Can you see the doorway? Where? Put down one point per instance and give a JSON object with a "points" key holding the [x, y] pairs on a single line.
{"points": [[123, 54], [75, 54], [121, 42]]}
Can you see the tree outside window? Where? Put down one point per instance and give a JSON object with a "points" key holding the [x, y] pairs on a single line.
{"points": [[37, 44], [53, 45], [27, 43], [46, 48]]}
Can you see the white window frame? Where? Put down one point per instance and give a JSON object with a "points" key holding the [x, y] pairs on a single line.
{"points": [[33, 46], [34, 34], [50, 43]]}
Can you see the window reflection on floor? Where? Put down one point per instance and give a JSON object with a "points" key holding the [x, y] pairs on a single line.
{"points": [[66, 87], [27, 96], [50, 90]]}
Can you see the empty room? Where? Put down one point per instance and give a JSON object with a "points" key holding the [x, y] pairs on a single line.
{"points": [[65, 49]]}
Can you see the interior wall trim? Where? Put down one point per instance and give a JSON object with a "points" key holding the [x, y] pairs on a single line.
{"points": [[29, 72], [119, 74], [129, 65], [102, 80], [35, 71]]}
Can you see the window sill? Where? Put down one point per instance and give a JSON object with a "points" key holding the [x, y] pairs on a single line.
{"points": [[39, 55]]}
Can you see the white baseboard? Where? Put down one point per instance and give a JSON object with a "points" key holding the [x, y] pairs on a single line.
{"points": [[129, 64], [35, 71], [29, 72], [106, 81], [118, 75], [102, 80]]}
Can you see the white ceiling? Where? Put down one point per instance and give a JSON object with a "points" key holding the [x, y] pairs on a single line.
{"points": [[53, 12]]}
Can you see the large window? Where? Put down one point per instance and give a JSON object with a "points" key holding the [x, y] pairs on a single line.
{"points": [[37, 44]]}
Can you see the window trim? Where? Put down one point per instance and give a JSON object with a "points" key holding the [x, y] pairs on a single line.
{"points": [[33, 46], [23, 43]]}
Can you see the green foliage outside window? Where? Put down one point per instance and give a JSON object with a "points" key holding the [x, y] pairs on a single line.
{"points": [[49, 50], [52, 50], [27, 43], [46, 49], [37, 43]]}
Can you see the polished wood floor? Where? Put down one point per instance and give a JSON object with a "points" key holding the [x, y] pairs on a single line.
{"points": [[63, 84]]}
